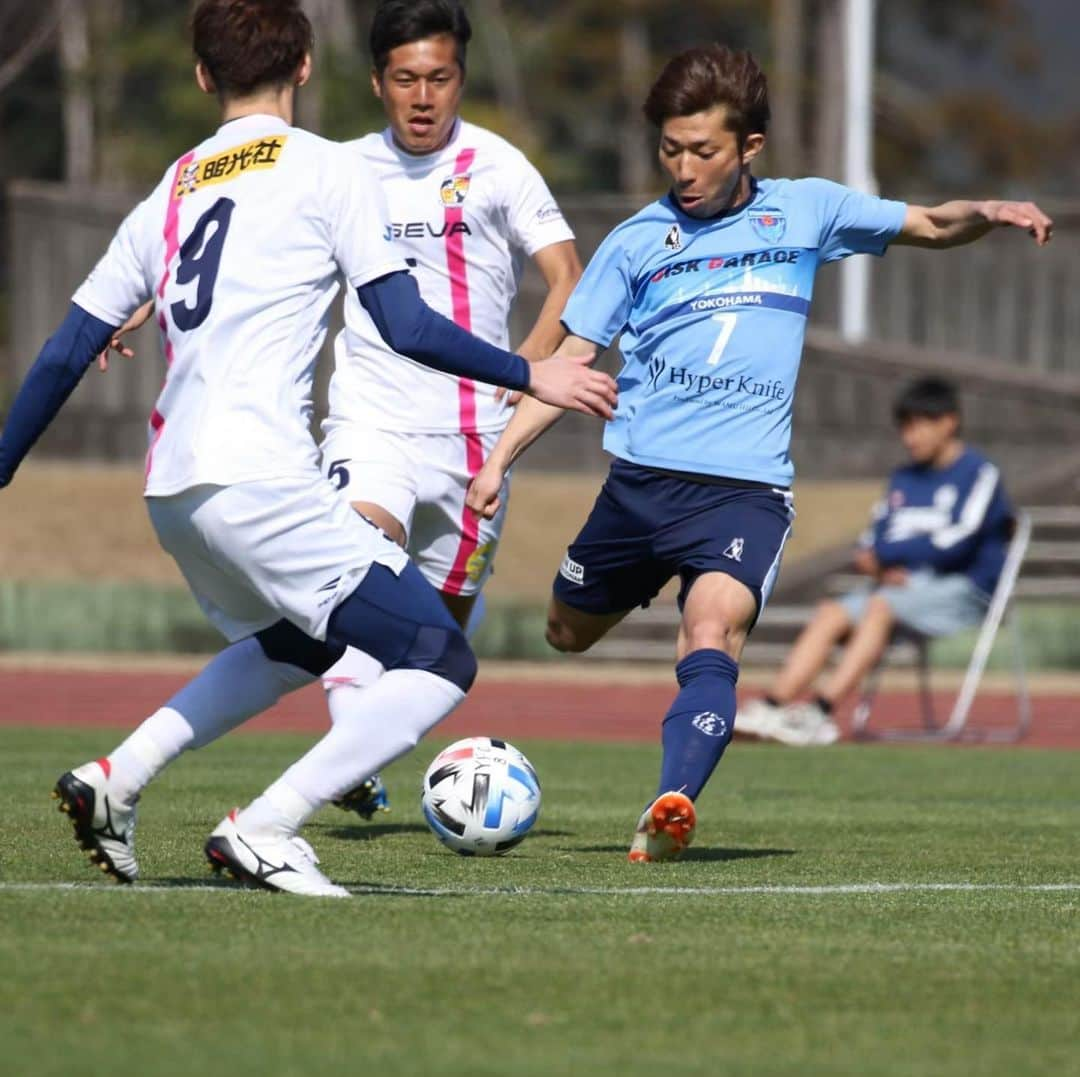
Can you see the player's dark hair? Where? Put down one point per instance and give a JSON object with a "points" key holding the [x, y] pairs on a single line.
{"points": [[401, 22], [710, 75], [927, 398], [246, 45]]}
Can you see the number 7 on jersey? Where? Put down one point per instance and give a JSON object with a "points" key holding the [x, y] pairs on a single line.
{"points": [[727, 327]]}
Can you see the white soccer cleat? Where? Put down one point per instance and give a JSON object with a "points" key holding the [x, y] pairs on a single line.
{"points": [[104, 824], [759, 718], [665, 829], [805, 725], [268, 862]]}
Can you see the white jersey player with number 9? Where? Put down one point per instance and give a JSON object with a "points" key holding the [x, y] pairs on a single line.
{"points": [[242, 246]]}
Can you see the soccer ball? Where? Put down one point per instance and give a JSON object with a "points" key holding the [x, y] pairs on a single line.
{"points": [[480, 796]]}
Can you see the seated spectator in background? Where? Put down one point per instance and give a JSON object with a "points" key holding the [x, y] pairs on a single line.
{"points": [[933, 554]]}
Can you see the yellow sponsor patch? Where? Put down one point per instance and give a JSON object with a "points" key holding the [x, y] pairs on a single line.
{"points": [[478, 563], [253, 156]]}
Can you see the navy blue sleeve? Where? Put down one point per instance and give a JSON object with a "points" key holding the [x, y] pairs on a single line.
{"points": [[50, 381], [983, 515], [920, 552], [413, 329]]}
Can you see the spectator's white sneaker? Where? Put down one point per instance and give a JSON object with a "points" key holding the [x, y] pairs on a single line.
{"points": [[759, 718], [268, 862], [104, 824], [805, 725]]}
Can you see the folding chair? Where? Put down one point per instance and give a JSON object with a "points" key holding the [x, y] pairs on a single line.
{"points": [[955, 726]]}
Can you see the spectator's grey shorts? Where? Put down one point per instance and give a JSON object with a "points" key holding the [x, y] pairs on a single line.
{"points": [[932, 605]]}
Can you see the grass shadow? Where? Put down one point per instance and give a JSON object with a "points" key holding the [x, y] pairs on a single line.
{"points": [[702, 854], [370, 831], [374, 831], [191, 882]]}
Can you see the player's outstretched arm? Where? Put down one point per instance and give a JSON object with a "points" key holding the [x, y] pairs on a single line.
{"points": [[413, 329], [953, 224], [560, 267], [531, 419], [50, 381]]}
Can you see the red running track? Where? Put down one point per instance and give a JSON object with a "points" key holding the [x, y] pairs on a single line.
{"points": [[552, 709]]}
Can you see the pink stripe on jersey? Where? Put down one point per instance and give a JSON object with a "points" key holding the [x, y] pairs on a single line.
{"points": [[458, 267], [172, 247]]}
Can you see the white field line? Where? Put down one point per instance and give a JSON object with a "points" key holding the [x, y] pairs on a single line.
{"points": [[585, 891]]}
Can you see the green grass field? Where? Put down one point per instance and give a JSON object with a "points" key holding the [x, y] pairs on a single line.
{"points": [[766, 951]]}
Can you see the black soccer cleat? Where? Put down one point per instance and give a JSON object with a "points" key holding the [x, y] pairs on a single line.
{"points": [[366, 799], [104, 825]]}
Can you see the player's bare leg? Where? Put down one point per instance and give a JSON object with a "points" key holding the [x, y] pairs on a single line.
{"points": [[718, 614], [460, 607], [573, 631]]}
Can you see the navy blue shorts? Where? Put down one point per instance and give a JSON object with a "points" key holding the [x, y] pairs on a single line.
{"points": [[648, 526]]}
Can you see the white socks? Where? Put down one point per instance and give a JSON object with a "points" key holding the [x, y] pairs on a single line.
{"points": [[348, 677], [373, 728], [236, 685]]}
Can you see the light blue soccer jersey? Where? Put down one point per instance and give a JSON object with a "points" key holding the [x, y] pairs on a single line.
{"points": [[712, 315]]}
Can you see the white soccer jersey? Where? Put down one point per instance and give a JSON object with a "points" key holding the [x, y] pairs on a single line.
{"points": [[241, 245], [465, 218]]}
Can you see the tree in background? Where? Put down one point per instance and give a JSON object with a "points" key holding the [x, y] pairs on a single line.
{"points": [[101, 90]]}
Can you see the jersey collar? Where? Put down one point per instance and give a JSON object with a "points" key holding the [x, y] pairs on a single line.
{"points": [[424, 158], [261, 120], [723, 215]]}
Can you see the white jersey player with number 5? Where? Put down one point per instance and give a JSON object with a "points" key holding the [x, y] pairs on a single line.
{"points": [[403, 441]]}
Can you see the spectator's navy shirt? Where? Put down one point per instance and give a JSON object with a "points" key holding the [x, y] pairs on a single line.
{"points": [[955, 519]]}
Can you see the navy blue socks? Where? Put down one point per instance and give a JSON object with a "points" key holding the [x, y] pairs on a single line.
{"points": [[700, 722]]}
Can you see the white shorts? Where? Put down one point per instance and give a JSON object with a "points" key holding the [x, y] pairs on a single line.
{"points": [[930, 605], [422, 480], [258, 552]]}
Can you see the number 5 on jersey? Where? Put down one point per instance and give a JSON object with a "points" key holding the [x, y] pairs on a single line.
{"points": [[200, 259], [727, 327]]}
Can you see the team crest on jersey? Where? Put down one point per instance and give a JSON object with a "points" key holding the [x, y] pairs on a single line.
{"points": [[455, 190], [769, 224], [673, 240], [253, 156]]}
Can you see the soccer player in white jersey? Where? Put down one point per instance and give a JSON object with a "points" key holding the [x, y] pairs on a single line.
{"points": [[403, 441], [709, 289], [241, 244]]}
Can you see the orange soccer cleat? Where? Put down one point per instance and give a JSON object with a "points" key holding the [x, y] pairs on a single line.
{"points": [[665, 829]]}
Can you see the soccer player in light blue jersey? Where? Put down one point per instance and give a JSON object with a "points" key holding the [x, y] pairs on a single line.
{"points": [[709, 289]]}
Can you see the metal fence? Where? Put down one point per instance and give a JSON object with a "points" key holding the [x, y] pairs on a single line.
{"points": [[995, 311]]}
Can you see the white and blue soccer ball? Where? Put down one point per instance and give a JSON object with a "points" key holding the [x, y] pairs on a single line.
{"points": [[480, 796]]}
